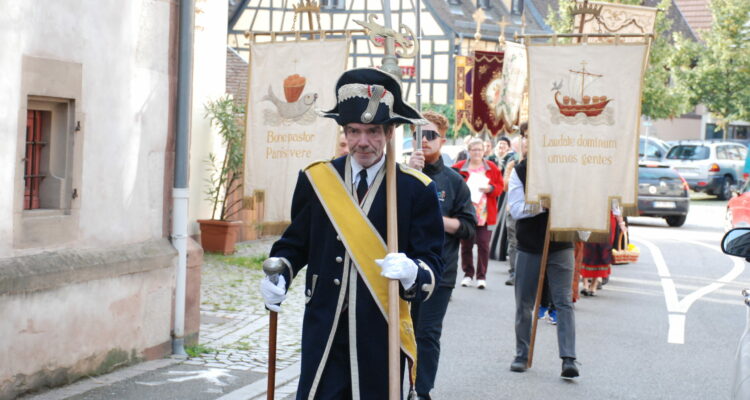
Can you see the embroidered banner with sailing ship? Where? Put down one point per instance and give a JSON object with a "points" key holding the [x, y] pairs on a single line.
{"points": [[584, 112]]}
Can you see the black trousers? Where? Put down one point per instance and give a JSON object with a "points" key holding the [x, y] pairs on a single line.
{"points": [[428, 327]]}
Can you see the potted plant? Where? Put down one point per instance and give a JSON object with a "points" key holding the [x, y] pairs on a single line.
{"points": [[219, 233]]}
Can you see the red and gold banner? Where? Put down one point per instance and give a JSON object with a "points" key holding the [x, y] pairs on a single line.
{"points": [[487, 90], [464, 66]]}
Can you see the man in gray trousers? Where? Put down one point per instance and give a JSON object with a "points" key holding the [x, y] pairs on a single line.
{"points": [[530, 230]]}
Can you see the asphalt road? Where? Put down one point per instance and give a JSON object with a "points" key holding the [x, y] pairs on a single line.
{"points": [[665, 327], [631, 341]]}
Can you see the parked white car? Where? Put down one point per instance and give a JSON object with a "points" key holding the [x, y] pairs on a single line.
{"points": [[710, 167]]}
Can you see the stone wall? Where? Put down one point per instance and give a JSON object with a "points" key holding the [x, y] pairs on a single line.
{"points": [[73, 313]]}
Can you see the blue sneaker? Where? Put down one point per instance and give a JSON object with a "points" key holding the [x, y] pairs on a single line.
{"points": [[542, 313], [552, 317]]}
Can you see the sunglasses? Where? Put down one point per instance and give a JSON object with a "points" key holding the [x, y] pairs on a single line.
{"points": [[428, 134]]}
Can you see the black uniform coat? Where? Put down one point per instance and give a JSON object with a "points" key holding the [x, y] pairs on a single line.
{"points": [[312, 240]]}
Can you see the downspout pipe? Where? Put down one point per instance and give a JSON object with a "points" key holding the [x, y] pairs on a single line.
{"points": [[180, 189]]}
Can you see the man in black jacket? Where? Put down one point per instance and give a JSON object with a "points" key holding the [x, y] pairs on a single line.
{"points": [[459, 223], [531, 225]]}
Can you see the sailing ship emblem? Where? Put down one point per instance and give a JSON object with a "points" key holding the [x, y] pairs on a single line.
{"points": [[591, 106]]}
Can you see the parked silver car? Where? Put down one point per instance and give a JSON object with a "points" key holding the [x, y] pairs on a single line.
{"points": [[652, 149], [711, 167]]}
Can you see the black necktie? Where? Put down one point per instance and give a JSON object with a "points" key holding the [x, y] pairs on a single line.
{"points": [[362, 185]]}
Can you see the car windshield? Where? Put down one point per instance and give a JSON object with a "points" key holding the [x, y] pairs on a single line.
{"points": [[657, 173], [691, 152]]}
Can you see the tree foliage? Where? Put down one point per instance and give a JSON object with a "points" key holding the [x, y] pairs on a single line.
{"points": [[664, 94], [720, 73]]}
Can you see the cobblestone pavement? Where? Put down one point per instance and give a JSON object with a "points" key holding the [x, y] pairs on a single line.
{"points": [[234, 322]]}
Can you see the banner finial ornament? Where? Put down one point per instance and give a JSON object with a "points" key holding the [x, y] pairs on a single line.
{"points": [[502, 24], [478, 17], [586, 8], [406, 46]]}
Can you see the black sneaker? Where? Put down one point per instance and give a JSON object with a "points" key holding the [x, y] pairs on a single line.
{"points": [[518, 364], [569, 368]]}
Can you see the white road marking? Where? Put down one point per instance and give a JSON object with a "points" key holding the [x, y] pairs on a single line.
{"points": [[622, 289], [676, 308], [730, 290], [212, 375]]}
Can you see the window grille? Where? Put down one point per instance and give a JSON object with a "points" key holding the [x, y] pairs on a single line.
{"points": [[32, 171]]}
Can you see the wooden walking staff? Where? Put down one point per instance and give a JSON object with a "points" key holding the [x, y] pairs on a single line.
{"points": [[539, 290]]}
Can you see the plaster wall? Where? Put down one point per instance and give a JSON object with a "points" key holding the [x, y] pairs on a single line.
{"points": [[209, 83], [132, 313], [122, 48], [676, 129], [58, 326]]}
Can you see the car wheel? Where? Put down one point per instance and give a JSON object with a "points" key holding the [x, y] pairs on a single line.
{"points": [[676, 220], [725, 190], [728, 220]]}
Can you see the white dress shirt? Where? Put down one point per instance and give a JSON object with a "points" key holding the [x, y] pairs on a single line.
{"points": [[517, 198], [372, 171]]}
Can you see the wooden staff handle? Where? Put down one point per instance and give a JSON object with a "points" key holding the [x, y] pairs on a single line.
{"points": [[394, 339], [539, 290]]}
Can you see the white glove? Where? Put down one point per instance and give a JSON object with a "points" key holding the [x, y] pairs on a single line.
{"points": [[273, 295], [398, 266]]}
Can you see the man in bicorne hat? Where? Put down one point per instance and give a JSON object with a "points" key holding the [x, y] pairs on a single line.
{"points": [[338, 230]]}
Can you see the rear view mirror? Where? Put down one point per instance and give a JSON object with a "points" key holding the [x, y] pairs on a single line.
{"points": [[737, 242]]}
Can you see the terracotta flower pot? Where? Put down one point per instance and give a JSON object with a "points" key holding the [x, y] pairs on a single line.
{"points": [[219, 236]]}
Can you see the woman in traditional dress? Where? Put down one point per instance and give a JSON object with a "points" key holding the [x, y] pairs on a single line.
{"points": [[597, 257]]}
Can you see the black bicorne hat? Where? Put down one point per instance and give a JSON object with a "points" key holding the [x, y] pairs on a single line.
{"points": [[371, 96]]}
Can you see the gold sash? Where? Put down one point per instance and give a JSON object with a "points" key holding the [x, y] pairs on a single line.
{"points": [[364, 244]]}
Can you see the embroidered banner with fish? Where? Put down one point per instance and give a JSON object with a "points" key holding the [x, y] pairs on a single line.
{"points": [[584, 113], [464, 66], [616, 19], [487, 89], [287, 81]]}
